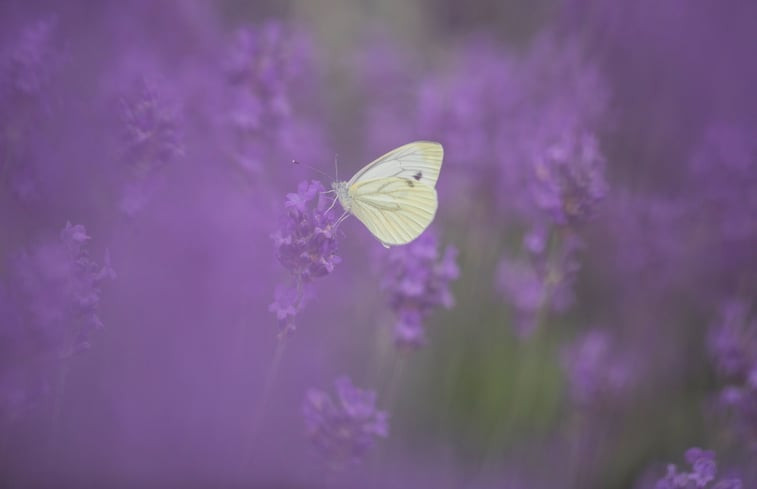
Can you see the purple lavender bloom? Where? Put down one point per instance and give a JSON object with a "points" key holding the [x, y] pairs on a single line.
{"points": [[724, 194], [733, 346], [270, 72], [150, 129], [151, 139], [417, 280], [305, 245], [57, 285], [542, 281], [597, 372], [28, 66], [733, 340], [30, 63], [520, 128], [569, 178], [703, 467], [345, 430], [702, 474]]}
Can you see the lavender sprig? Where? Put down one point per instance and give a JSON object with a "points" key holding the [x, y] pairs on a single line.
{"points": [[344, 430], [702, 473], [417, 280], [306, 246]]}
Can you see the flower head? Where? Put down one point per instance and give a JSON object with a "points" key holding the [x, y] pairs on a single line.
{"points": [[306, 246], [702, 474], [30, 63], [568, 177], [596, 370], [733, 347], [57, 285], [417, 280], [306, 242], [540, 282], [345, 429], [270, 72], [150, 129]]}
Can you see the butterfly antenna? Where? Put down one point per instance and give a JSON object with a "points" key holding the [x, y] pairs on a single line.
{"points": [[336, 166], [295, 162]]}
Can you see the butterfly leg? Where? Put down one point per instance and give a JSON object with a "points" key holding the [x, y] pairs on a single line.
{"points": [[333, 203], [341, 218]]}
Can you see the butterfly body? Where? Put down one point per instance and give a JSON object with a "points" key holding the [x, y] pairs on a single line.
{"points": [[343, 194], [395, 195]]}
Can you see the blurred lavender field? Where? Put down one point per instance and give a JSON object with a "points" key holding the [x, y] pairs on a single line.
{"points": [[178, 309]]}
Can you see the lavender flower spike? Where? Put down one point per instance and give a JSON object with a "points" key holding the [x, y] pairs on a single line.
{"points": [[346, 429], [417, 281], [58, 286], [305, 245], [702, 475]]}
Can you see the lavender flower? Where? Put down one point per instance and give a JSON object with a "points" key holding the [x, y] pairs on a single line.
{"points": [[733, 340], [540, 282], [57, 285], [151, 139], [28, 66], [569, 177], [417, 280], [733, 346], [521, 129], [345, 430], [305, 245], [270, 72], [703, 472], [723, 182], [150, 130], [596, 370]]}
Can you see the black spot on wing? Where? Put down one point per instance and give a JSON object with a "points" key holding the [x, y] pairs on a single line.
{"points": [[418, 176]]}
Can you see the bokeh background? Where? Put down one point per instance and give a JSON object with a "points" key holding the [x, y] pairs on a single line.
{"points": [[178, 310]]}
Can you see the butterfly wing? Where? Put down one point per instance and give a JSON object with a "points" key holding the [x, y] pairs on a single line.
{"points": [[396, 210], [420, 161]]}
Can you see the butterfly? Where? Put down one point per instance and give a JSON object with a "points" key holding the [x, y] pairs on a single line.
{"points": [[394, 196]]}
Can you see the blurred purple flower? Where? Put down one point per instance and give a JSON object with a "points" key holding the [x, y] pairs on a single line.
{"points": [[597, 371], [346, 429], [305, 245], [723, 186], [271, 75], [151, 139], [541, 282], [703, 472], [150, 130], [521, 129], [703, 467], [417, 280], [733, 347], [28, 64], [57, 286], [733, 340], [569, 178]]}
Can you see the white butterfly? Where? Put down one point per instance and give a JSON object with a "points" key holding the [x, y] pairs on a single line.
{"points": [[394, 196]]}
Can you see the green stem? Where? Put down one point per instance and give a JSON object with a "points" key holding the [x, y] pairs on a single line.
{"points": [[389, 392], [527, 355]]}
